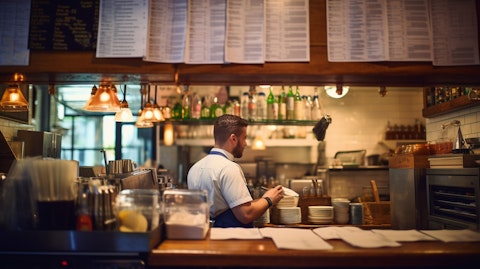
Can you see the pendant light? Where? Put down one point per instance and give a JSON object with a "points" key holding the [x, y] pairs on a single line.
{"points": [[13, 100], [141, 122], [157, 112], [125, 114], [104, 100]]}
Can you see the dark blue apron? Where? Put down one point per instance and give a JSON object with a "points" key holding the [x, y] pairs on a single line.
{"points": [[227, 218]]}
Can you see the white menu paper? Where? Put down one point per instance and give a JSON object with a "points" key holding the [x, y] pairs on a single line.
{"points": [[455, 32], [287, 31], [295, 238], [205, 41], [244, 40], [122, 28], [167, 27], [14, 27]]}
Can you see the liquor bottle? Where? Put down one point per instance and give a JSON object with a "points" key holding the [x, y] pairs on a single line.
{"points": [[290, 104], [282, 105], [186, 103], [307, 107], [252, 107], [196, 106], [244, 105], [261, 106], [177, 111], [316, 109], [205, 113], [298, 107], [272, 106], [216, 110]]}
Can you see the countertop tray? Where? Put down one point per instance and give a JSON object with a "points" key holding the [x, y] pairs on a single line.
{"points": [[79, 241]]}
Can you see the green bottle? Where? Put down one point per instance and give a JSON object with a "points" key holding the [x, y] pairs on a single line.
{"points": [[216, 110], [290, 104], [205, 112], [298, 107], [282, 105], [272, 106]]}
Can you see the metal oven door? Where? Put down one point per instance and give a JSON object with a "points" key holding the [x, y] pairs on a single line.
{"points": [[453, 198]]}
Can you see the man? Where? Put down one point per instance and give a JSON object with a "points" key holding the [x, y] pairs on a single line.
{"points": [[231, 204]]}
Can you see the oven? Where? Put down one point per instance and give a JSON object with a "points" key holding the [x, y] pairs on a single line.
{"points": [[453, 198]]}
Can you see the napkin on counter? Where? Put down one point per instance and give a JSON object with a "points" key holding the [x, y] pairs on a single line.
{"points": [[234, 233], [294, 238], [333, 232], [404, 235], [454, 235]]}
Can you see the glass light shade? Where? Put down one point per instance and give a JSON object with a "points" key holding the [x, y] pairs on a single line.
{"points": [[104, 100], [13, 100], [157, 114], [148, 113], [124, 115], [336, 93], [141, 122]]}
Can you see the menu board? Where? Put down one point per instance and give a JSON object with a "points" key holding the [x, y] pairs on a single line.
{"points": [[63, 25]]}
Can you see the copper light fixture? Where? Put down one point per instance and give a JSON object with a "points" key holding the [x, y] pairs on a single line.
{"points": [[125, 114], [141, 121], [104, 100], [13, 100]]}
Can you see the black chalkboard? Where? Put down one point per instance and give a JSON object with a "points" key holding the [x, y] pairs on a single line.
{"points": [[63, 25]]}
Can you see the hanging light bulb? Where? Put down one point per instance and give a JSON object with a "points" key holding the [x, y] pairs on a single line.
{"points": [[13, 100], [259, 141], [157, 112], [168, 135], [125, 114], [141, 122], [104, 100]]}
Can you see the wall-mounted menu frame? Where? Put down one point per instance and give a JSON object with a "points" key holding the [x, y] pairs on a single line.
{"points": [[63, 25], [22, 117]]}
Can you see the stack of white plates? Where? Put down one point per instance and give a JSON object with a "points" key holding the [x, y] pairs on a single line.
{"points": [[288, 201], [286, 215], [320, 214]]}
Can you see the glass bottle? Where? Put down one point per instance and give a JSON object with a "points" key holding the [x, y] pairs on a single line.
{"points": [[307, 107], [216, 110], [196, 106], [186, 103], [252, 107], [290, 104], [282, 105], [261, 106], [177, 111], [316, 110], [298, 107], [272, 106], [205, 113], [244, 105]]}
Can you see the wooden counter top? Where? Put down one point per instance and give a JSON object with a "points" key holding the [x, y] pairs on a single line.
{"points": [[264, 253]]}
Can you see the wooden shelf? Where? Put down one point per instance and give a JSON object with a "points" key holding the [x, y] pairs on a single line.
{"points": [[461, 102]]}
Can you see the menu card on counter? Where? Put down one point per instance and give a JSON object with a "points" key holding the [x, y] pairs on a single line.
{"points": [[14, 20], [122, 28], [167, 26], [63, 25]]}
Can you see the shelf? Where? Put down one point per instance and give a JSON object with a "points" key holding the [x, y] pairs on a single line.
{"points": [[294, 142], [450, 106], [250, 122]]}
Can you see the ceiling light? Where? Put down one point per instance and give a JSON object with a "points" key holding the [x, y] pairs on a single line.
{"points": [[125, 114], [13, 100], [141, 121], [259, 142], [104, 99], [337, 91]]}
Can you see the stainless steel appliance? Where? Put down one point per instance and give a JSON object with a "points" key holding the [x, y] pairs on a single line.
{"points": [[453, 198]]}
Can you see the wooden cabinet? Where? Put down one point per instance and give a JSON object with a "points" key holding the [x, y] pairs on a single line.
{"points": [[61, 67]]}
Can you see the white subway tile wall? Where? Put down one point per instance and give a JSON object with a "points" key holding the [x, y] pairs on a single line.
{"points": [[469, 124]]}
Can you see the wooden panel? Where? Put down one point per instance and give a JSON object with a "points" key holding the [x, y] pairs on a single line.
{"points": [[73, 67]]}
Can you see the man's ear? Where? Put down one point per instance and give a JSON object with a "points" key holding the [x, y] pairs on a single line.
{"points": [[233, 137]]}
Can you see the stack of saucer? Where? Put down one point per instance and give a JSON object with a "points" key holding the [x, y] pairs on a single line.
{"points": [[286, 215], [341, 208], [320, 214], [288, 201]]}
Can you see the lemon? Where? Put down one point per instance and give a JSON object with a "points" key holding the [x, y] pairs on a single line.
{"points": [[132, 221]]}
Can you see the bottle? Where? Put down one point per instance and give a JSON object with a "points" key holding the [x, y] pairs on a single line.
{"points": [[272, 106], [205, 113], [177, 111], [244, 105], [237, 108], [316, 109], [298, 107], [261, 106], [282, 105], [228, 107], [196, 106], [216, 109], [84, 206], [290, 104], [307, 107], [186, 103], [252, 107], [167, 110]]}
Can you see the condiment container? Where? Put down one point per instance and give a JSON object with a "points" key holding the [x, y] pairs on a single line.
{"points": [[186, 213], [138, 210]]}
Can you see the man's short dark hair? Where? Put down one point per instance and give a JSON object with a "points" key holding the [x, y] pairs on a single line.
{"points": [[226, 125]]}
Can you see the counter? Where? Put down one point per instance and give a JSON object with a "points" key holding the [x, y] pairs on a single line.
{"points": [[263, 253]]}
